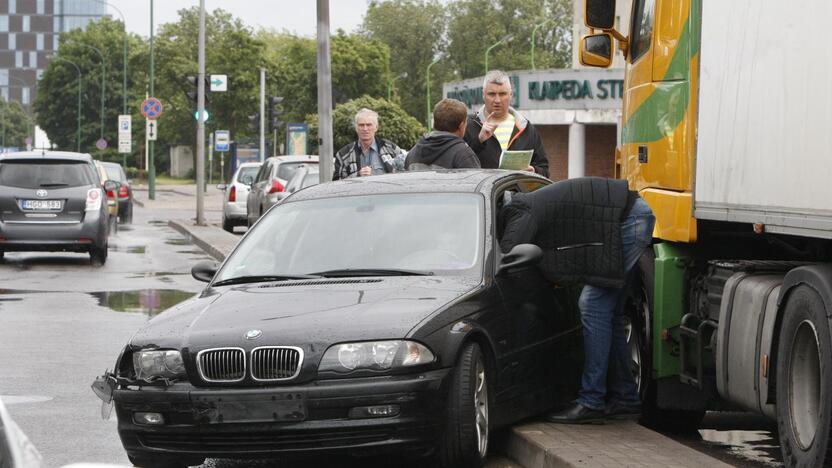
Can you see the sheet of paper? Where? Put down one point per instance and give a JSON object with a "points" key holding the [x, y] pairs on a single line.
{"points": [[516, 160]]}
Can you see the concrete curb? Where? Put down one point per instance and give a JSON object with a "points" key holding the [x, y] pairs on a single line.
{"points": [[213, 240]]}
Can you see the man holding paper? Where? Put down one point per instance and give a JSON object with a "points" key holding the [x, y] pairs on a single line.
{"points": [[498, 128]]}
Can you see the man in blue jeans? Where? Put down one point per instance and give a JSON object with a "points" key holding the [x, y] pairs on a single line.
{"points": [[592, 231]]}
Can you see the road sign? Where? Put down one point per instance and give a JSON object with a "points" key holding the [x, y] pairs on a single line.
{"points": [[205, 116], [125, 133], [152, 130], [101, 144], [222, 140], [151, 108], [219, 83]]}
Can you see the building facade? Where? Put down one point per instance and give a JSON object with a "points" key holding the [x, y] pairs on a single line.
{"points": [[29, 32]]}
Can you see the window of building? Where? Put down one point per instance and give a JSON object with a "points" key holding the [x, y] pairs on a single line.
{"points": [[55, 41], [41, 7], [12, 6], [26, 24], [39, 41], [18, 59], [33, 59], [24, 96], [12, 41], [56, 8], [56, 27], [5, 92], [4, 77], [4, 23], [39, 74]]}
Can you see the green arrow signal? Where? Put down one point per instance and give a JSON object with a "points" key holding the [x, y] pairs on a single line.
{"points": [[216, 82]]}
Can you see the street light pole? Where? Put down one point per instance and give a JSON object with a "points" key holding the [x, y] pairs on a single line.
{"points": [[124, 66], [151, 165], [505, 38], [103, 82], [77, 69], [390, 84], [200, 121], [428, 119], [534, 31], [325, 148]]}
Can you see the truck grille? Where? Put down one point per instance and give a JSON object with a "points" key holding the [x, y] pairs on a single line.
{"points": [[221, 364], [272, 363]]}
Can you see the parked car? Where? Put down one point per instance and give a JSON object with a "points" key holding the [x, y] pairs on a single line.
{"points": [[371, 315], [125, 193], [305, 176], [53, 201], [236, 196], [271, 180], [112, 197]]}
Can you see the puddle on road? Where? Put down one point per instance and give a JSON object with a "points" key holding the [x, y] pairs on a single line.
{"points": [[146, 301], [757, 446], [20, 399], [124, 227], [157, 222], [135, 249], [157, 274]]}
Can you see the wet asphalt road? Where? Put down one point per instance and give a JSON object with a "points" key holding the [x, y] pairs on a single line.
{"points": [[64, 321]]}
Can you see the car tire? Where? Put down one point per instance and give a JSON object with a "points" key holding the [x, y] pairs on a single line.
{"points": [[464, 443], [98, 255], [804, 380], [162, 461], [227, 225]]}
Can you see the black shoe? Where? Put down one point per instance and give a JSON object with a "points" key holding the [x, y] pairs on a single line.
{"points": [[577, 414], [618, 410]]}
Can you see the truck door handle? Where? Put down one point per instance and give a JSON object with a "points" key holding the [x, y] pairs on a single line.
{"points": [[642, 154]]}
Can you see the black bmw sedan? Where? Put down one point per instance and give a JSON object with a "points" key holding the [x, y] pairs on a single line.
{"points": [[363, 316]]}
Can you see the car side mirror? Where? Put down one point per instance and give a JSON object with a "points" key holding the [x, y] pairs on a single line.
{"points": [[520, 256], [596, 50], [205, 270], [222, 187], [111, 185]]}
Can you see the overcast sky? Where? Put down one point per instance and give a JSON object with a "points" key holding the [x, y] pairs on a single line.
{"points": [[297, 16]]}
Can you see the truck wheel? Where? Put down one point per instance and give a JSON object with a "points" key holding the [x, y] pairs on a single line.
{"points": [[804, 380], [464, 443], [637, 313]]}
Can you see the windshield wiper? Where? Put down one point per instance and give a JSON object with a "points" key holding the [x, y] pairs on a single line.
{"points": [[262, 279], [347, 272]]}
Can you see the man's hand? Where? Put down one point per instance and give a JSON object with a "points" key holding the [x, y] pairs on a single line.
{"points": [[529, 169], [488, 128], [365, 171]]}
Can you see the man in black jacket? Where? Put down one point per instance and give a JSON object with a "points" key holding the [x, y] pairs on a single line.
{"points": [[498, 127], [591, 231], [444, 147]]}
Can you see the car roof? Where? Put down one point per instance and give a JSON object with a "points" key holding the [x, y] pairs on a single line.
{"points": [[68, 155], [249, 164], [295, 158], [435, 181]]}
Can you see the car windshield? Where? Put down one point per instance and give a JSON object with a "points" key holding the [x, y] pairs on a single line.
{"points": [[311, 178], [430, 233], [247, 173], [114, 172], [46, 173], [287, 170]]}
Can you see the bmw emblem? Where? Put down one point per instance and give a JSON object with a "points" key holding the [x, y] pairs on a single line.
{"points": [[253, 334], [42, 193]]}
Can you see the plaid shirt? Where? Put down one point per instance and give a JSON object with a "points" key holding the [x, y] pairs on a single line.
{"points": [[347, 158]]}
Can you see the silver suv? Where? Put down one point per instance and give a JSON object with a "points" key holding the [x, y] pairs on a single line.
{"points": [[271, 180], [53, 201]]}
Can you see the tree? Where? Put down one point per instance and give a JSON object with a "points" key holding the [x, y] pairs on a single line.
{"points": [[15, 124], [394, 123], [416, 43]]}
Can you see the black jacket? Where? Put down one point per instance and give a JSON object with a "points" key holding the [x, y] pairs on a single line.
{"points": [[577, 223], [440, 150], [523, 137], [347, 158]]}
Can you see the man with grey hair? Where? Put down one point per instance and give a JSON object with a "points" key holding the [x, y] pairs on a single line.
{"points": [[498, 127], [368, 155]]}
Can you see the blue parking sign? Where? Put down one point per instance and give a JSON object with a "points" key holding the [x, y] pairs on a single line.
{"points": [[222, 140]]}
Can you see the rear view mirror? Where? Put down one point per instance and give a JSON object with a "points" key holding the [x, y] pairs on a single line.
{"points": [[596, 50], [205, 270], [600, 14], [221, 187], [520, 256]]}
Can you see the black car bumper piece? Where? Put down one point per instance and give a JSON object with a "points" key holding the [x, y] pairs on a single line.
{"points": [[326, 417]]}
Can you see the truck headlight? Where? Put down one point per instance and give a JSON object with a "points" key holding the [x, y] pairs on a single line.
{"points": [[374, 355], [153, 364]]}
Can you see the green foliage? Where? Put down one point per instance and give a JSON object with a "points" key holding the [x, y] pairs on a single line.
{"points": [[415, 43], [15, 125], [394, 123]]}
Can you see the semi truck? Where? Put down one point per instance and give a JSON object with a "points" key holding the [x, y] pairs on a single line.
{"points": [[726, 131]]}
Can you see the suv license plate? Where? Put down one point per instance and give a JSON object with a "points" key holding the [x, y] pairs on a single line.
{"points": [[42, 205]]}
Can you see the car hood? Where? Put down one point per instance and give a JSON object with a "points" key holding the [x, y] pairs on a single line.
{"points": [[303, 313]]}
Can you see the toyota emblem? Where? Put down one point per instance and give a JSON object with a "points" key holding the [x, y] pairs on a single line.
{"points": [[42, 193], [253, 334]]}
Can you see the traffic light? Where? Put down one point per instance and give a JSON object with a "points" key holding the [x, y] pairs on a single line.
{"points": [[274, 111], [193, 95], [254, 122]]}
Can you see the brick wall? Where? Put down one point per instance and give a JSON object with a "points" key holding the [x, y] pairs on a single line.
{"points": [[600, 149]]}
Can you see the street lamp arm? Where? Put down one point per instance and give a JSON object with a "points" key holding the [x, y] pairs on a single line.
{"points": [[77, 69], [103, 83], [505, 38]]}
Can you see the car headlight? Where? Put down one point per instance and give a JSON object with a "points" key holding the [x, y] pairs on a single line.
{"points": [[153, 364], [374, 355]]}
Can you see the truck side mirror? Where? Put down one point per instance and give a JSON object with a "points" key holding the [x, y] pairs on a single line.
{"points": [[596, 50], [600, 14]]}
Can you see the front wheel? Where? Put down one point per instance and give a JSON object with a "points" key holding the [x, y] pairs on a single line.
{"points": [[804, 381], [465, 441]]}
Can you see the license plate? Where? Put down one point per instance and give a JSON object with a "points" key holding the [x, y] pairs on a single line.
{"points": [[42, 205], [280, 407]]}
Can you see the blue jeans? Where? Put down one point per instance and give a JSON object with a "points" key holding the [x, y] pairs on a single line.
{"points": [[602, 315]]}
